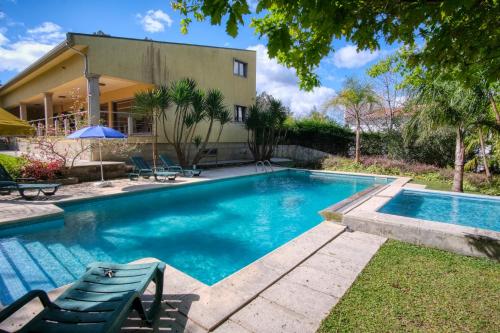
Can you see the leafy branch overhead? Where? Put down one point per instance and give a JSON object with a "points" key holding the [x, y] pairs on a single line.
{"points": [[462, 34]]}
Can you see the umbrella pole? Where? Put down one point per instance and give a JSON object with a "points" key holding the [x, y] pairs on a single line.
{"points": [[100, 157]]}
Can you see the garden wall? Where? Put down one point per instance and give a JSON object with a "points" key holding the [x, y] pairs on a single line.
{"points": [[226, 151], [300, 153]]}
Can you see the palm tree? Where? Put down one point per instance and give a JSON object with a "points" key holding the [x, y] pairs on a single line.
{"points": [[265, 126], [223, 118], [439, 103], [194, 117], [357, 99], [181, 92], [214, 106], [152, 104]]}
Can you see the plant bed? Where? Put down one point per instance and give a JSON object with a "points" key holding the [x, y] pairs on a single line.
{"points": [[433, 177]]}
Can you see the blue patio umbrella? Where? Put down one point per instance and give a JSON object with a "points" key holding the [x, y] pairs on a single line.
{"points": [[97, 132]]}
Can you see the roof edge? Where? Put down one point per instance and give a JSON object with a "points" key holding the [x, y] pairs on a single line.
{"points": [[157, 41]]}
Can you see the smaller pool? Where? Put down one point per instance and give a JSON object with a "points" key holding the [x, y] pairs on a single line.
{"points": [[467, 210]]}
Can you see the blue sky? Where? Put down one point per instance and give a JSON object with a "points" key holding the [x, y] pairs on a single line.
{"points": [[30, 28]]}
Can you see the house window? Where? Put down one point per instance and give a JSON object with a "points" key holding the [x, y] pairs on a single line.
{"points": [[240, 68], [240, 113]]}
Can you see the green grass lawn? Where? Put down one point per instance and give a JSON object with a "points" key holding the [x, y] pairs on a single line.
{"points": [[433, 185], [407, 288]]}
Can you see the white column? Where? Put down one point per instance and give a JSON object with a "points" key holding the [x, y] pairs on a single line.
{"points": [[130, 125], [23, 111], [93, 106], [49, 109]]}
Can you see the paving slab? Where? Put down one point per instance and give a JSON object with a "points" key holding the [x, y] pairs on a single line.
{"points": [[264, 316], [231, 327], [300, 300]]}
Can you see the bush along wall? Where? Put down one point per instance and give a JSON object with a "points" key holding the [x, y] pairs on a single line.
{"points": [[327, 136]]}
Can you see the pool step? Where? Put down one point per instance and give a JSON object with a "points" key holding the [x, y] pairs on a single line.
{"points": [[33, 265]]}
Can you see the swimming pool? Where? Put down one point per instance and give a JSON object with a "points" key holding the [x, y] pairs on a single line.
{"points": [[207, 230], [467, 210]]}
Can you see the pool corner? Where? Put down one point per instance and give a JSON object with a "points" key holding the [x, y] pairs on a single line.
{"points": [[460, 239]]}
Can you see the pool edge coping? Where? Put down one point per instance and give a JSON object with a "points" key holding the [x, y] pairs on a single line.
{"points": [[53, 205], [457, 238]]}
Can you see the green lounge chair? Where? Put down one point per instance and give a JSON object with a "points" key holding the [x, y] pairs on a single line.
{"points": [[9, 184], [142, 169], [171, 166], [100, 301]]}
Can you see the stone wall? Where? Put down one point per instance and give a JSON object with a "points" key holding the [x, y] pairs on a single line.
{"points": [[67, 147], [92, 172], [226, 151], [300, 153]]}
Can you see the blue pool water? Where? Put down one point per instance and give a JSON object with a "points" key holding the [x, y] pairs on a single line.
{"points": [[472, 211], [208, 230]]}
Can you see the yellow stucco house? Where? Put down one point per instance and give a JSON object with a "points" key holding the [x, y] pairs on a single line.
{"points": [[94, 77]]}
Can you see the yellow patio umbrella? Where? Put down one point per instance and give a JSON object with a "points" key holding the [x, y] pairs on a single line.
{"points": [[10, 125]]}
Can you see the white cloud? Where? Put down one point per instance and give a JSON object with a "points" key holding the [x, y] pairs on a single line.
{"points": [[2, 15], [46, 33], [3, 39], [349, 57], [282, 83], [155, 20], [17, 55]]}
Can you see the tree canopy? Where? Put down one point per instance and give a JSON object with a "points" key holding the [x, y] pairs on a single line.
{"points": [[450, 34]]}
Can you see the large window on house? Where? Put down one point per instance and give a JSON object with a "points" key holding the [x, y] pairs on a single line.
{"points": [[240, 68], [240, 113]]}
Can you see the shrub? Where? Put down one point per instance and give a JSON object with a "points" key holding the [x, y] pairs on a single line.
{"points": [[12, 164], [321, 134], [380, 165], [421, 172], [41, 170]]}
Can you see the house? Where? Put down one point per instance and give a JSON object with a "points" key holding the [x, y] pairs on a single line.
{"points": [[92, 79], [377, 120]]}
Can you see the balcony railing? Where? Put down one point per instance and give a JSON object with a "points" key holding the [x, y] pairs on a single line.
{"points": [[68, 123]]}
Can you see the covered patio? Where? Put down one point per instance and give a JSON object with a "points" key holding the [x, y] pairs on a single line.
{"points": [[66, 108]]}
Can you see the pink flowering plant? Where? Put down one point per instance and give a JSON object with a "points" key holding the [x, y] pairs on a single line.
{"points": [[41, 170]]}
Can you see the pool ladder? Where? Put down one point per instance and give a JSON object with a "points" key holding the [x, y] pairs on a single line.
{"points": [[264, 166]]}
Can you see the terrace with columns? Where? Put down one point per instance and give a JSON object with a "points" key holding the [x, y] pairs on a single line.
{"points": [[89, 100]]}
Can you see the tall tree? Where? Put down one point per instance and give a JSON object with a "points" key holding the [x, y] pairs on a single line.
{"points": [[389, 80], [300, 33], [357, 99], [438, 103]]}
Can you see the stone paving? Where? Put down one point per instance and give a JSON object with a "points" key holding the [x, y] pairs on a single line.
{"points": [[303, 298], [295, 303]]}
